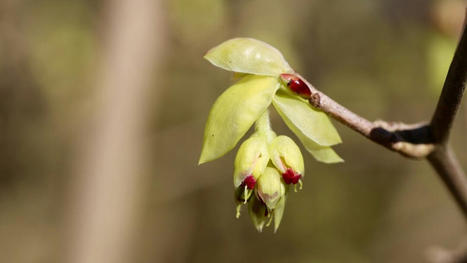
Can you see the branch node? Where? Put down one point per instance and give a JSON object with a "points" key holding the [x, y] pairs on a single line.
{"points": [[315, 100]]}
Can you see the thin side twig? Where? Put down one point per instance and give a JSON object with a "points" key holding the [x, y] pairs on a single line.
{"points": [[410, 140]]}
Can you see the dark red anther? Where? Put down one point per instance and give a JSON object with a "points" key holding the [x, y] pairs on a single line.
{"points": [[296, 84], [250, 182], [291, 177]]}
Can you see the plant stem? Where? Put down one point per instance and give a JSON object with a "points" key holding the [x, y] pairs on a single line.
{"points": [[410, 140], [263, 126], [445, 163], [263, 123], [451, 95]]}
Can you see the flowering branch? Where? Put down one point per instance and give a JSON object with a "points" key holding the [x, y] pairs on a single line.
{"points": [[265, 165]]}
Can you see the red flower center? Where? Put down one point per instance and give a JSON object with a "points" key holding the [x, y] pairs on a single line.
{"points": [[250, 182], [291, 177]]}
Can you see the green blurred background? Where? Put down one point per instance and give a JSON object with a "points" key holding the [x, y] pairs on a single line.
{"points": [[383, 59]]}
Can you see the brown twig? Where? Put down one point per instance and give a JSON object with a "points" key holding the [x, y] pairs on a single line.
{"points": [[416, 140], [444, 161], [410, 140]]}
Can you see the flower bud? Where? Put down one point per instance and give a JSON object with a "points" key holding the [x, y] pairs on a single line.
{"points": [[270, 187], [287, 158], [296, 84]]}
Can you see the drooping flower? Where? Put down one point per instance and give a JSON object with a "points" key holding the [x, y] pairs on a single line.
{"points": [[250, 162], [287, 158]]}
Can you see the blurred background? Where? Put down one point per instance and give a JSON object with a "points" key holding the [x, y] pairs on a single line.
{"points": [[102, 111]]}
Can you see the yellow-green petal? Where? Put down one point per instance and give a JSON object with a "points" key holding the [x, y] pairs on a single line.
{"points": [[270, 187], [248, 55], [279, 212], [313, 124], [252, 158], [234, 112], [283, 149]]}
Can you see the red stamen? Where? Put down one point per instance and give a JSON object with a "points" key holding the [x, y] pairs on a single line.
{"points": [[291, 177], [250, 182]]}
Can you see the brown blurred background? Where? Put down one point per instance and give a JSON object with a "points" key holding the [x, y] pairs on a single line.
{"points": [[102, 111]]}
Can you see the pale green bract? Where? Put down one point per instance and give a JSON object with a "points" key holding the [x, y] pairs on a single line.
{"points": [[286, 104], [314, 124], [234, 112], [248, 55], [323, 154]]}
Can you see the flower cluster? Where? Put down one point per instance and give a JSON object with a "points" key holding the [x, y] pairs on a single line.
{"points": [[266, 164]]}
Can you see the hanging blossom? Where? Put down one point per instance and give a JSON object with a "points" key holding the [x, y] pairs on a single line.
{"points": [[266, 164]]}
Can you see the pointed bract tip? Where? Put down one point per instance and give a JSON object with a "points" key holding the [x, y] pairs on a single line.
{"points": [[202, 160], [259, 229]]}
